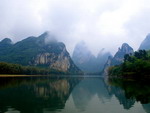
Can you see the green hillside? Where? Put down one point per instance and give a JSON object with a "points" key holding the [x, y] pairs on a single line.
{"points": [[134, 66], [42, 51]]}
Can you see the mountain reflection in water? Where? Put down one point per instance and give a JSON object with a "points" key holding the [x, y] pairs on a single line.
{"points": [[75, 95]]}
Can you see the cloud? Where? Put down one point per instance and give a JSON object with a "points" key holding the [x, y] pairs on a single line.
{"points": [[100, 23]]}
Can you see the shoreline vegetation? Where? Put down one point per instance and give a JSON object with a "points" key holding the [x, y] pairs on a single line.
{"points": [[135, 66], [9, 70], [11, 75]]}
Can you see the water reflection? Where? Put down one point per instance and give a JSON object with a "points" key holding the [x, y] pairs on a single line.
{"points": [[138, 90], [31, 95], [120, 95], [65, 95], [85, 91], [134, 91], [146, 107]]}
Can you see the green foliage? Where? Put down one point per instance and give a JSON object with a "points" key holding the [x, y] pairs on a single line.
{"points": [[134, 66], [7, 68], [25, 53], [115, 70]]}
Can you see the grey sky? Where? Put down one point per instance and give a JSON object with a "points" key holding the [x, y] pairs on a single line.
{"points": [[100, 23]]}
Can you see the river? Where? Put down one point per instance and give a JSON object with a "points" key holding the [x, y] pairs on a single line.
{"points": [[72, 95]]}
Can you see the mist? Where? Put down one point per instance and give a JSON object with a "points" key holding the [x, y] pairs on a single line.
{"points": [[99, 23]]}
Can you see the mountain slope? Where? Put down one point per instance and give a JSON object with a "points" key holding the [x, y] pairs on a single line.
{"points": [[43, 51], [83, 58], [101, 60], [146, 43], [86, 61], [118, 57]]}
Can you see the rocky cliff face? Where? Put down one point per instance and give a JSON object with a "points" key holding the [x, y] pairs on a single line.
{"points": [[43, 51], [59, 62], [146, 43], [118, 57], [107, 65]]}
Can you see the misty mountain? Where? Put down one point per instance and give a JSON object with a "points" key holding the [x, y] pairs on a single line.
{"points": [[83, 58], [86, 61], [42, 51], [119, 56], [146, 43], [5, 44], [101, 60]]}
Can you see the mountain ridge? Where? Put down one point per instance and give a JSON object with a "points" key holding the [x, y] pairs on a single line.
{"points": [[86, 61], [145, 43], [34, 51], [118, 58]]}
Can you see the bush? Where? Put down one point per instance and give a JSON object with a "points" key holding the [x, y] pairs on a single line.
{"points": [[136, 65]]}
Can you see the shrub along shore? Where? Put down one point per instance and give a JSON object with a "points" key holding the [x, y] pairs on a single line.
{"points": [[135, 66], [8, 69]]}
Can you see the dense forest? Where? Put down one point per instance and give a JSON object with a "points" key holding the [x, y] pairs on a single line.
{"points": [[8, 68], [136, 65]]}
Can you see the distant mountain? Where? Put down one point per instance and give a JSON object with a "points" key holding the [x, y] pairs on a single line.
{"points": [[119, 56], [42, 51], [86, 61], [5, 44], [146, 43], [83, 58], [101, 60]]}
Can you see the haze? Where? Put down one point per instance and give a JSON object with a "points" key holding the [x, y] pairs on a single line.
{"points": [[100, 23]]}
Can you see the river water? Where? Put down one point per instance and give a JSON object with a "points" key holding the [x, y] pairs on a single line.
{"points": [[72, 95]]}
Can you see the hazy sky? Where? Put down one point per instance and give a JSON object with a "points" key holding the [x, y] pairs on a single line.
{"points": [[100, 23]]}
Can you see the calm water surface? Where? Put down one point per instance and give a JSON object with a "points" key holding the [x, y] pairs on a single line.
{"points": [[72, 95]]}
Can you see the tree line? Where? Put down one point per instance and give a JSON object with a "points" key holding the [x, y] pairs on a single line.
{"points": [[8, 68], [136, 65]]}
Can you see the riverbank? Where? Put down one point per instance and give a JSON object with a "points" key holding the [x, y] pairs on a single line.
{"points": [[8, 75]]}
